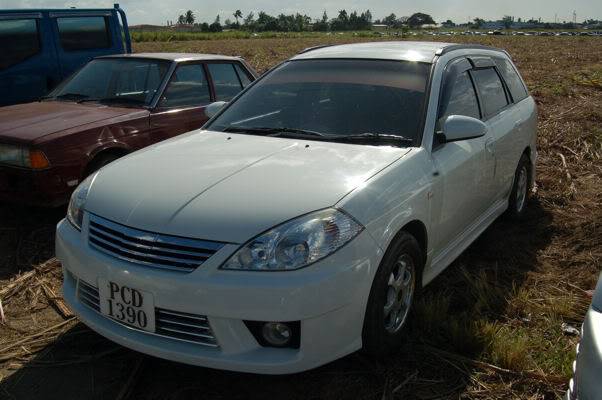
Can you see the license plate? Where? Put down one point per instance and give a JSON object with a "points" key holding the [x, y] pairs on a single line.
{"points": [[127, 305]]}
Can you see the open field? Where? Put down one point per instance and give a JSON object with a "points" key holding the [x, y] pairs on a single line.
{"points": [[492, 326]]}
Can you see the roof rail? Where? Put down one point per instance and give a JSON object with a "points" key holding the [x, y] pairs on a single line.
{"points": [[453, 47], [314, 48]]}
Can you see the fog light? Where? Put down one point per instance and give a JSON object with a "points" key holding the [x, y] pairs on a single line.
{"points": [[276, 333]]}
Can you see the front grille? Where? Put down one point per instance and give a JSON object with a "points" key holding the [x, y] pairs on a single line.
{"points": [[147, 248], [168, 323]]}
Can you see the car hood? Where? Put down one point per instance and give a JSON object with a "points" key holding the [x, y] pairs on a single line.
{"points": [[31, 121], [597, 300], [230, 187]]}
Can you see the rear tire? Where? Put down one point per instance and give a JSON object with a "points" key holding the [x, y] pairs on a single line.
{"points": [[394, 288], [521, 187]]}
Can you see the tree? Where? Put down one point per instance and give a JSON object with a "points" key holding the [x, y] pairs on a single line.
{"points": [[215, 26], [478, 22], [507, 20], [418, 19], [237, 14], [190, 17], [448, 24], [181, 19], [321, 25]]}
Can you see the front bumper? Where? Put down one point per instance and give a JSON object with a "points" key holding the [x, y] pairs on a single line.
{"points": [[328, 298], [44, 188], [586, 383]]}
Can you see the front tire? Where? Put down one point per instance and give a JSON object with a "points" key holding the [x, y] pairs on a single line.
{"points": [[392, 296], [519, 195]]}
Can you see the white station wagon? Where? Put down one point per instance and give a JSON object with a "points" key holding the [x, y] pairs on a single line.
{"points": [[300, 223]]}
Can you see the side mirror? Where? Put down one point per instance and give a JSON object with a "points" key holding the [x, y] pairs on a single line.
{"points": [[214, 108], [460, 127]]}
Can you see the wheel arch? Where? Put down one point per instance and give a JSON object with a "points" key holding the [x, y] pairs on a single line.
{"points": [[119, 151]]}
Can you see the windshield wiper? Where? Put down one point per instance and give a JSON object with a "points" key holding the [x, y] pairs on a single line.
{"points": [[67, 96], [123, 100], [275, 132], [374, 137]]}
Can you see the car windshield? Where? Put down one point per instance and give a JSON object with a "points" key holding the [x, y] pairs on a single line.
{"points": [[332, 100], [123, 81]]}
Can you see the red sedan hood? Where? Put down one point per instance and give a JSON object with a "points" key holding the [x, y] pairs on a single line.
{"points": [[28, 122]]}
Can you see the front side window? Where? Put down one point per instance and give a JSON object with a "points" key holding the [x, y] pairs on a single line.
{"points": [[334, 98], [188, 88], [517, 89], [459, 98], [115, 80], [83, 33], [20, 40], [225, 81], [491, 90]]}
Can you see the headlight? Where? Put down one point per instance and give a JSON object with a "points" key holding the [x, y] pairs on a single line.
{"points": [[75, 212], [21, 156], [296, 243]]}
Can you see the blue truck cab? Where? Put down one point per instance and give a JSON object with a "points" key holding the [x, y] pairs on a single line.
{"points": [[42, 47]]}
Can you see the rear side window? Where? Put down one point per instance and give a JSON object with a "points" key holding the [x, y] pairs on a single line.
{"points": [[83, 33], [489, 85], [225, 81], [242, 74], [20, 40], [188, 88], [517, 89], [459, 98]]}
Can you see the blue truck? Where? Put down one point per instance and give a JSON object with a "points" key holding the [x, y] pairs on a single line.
{"points": [[42, 47]]}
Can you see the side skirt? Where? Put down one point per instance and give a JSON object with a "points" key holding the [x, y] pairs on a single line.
{"points": [[458, 245]]}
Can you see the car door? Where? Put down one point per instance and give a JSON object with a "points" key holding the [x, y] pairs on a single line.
{"points": [[499, 118], [181, 105], [462, 172]]}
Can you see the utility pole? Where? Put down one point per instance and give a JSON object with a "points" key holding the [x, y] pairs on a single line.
{"points": [[574, 16]]}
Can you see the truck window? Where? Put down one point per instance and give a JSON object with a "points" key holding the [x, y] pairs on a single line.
{"points": [[20, 40], [83, 33]]}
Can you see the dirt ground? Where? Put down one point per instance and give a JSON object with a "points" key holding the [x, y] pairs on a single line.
{"points": [[495, 325]]}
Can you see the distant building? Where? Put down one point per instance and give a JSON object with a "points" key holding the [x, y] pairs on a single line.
{"points": [[380, 27]]}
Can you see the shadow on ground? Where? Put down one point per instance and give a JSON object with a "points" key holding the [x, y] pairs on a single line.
{"points": [[81, 364], [26, 237]]}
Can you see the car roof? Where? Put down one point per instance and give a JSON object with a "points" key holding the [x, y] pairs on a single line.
{"points": [[177, 57], [393, 50]]}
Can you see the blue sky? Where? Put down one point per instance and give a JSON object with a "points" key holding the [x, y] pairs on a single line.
{"points": [[159, 11]]}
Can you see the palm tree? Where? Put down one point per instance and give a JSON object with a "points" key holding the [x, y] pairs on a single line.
{"points": [[237, 14], [189, 17]]}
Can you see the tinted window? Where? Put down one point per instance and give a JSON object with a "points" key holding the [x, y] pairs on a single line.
{"points": [[491, 90], [118, 80], [334, 97], [517, 89], [225, 81], [459, 98], [188, 88], [20, 40], [81, 33], [242, 74]]}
